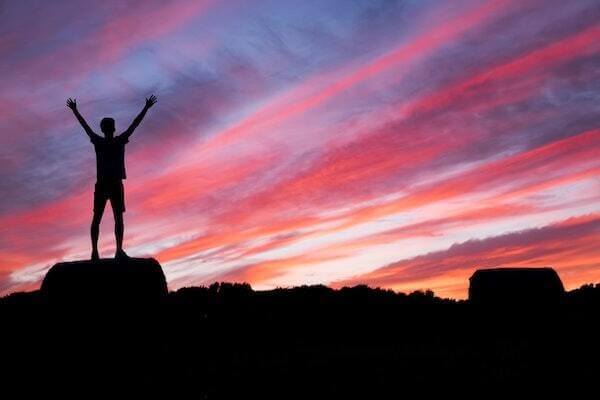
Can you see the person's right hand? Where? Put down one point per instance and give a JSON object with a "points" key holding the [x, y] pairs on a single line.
{"points": [[150, 101], [72, 104]]}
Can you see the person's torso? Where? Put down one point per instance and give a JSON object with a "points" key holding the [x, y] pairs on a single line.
{"points": [[110, 159]]}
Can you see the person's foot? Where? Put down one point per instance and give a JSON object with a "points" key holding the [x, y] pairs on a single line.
{"points": [[95, 256], [121, 255]]}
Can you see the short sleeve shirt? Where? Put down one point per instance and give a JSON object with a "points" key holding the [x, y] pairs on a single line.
{"points": [[110, 157]]}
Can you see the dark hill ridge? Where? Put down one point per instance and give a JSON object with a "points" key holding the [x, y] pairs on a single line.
{"points": [[229, 341], [107, 281], [142, 281]]}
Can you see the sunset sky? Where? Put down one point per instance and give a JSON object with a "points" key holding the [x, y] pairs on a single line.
{"points": [[401, 144]]}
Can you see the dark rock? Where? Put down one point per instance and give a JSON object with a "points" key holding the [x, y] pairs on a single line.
{"points": [[138, 281], [515, 286]]}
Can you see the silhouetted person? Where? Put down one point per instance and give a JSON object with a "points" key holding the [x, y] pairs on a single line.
{"points": [[110, 172]]}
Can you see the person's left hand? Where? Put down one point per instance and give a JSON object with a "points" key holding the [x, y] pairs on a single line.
{"points": [[72, 104], [150, 101]]}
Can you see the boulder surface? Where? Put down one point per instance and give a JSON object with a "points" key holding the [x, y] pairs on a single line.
{"points": [[106, 281]]}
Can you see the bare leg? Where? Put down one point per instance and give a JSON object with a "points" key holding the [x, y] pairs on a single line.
{"points": [[119, 234], [95, 231], [119, 231]]}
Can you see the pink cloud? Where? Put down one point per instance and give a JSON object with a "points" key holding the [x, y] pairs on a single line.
{"points": [[564, 245]]}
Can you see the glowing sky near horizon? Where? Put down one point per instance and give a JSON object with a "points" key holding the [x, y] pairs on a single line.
{"points": [[401, 144]]}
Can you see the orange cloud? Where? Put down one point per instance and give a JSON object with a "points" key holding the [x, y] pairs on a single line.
{"points": [[565, 245], [532, 168], [523, 169]]}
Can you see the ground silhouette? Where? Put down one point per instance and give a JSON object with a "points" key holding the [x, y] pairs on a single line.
{"points": [[227, 340]]}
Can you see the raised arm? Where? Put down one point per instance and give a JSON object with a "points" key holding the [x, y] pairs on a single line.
{"points": [[72, 104], [150, 101]]}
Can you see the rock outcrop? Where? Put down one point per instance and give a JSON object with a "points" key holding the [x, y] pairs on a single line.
{"points": [[515, 286], [139, 281]]}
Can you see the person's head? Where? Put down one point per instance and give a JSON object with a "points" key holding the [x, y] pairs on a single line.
{"points": [[107, 126]]}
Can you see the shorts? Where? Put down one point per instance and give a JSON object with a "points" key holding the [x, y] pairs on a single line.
{"points": [[109, 190]]}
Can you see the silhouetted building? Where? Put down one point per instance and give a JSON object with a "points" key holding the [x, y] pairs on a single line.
{"points": [[515, 285]]}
